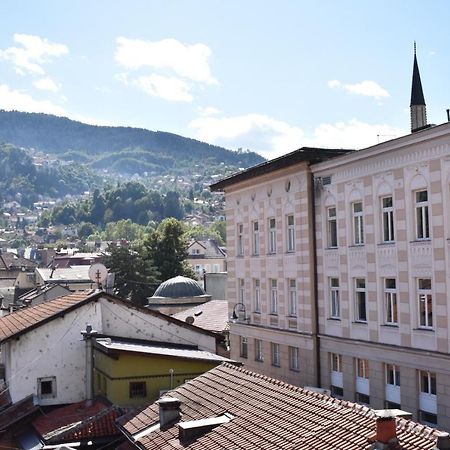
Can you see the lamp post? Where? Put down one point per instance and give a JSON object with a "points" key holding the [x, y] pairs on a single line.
{"points": [[235, 317]]}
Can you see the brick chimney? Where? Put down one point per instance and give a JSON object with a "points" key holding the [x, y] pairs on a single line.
{"points": [[169, 411], [386, 429]]}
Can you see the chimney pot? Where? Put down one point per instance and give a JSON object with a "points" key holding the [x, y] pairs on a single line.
{"points": [[386, 427], [443, 441], [169, 411]]}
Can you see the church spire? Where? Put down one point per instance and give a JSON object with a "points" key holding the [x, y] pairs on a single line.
{"points": [[417, 106]]}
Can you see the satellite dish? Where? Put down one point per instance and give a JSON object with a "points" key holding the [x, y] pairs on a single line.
{"points": [[190, 320], [98, 273]]}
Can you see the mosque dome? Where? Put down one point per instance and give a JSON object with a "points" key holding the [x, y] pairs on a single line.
{"points": [[179, 287]]}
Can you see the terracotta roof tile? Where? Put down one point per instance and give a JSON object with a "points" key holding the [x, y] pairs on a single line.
{"points": [[26, 318], [268, 414], [212, 315], [79, 421]]}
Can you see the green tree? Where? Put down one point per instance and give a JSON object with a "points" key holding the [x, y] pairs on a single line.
{"points": [[135, 276], [220, 227], [167, 248], [202, 233], [172, 205], [124, 229]]}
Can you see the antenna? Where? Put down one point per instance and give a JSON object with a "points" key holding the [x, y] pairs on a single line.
{"points": [[98, 274]]}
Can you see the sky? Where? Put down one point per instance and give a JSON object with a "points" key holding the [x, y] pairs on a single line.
{"points": [[268, 76]]}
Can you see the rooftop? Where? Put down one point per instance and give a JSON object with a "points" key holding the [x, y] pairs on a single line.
{"points": [[77, 274], [266, 414], [179, 287], [304, 154], [157, 349], [212, 315]]}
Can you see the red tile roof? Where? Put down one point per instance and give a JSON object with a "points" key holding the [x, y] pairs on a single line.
{"points": [[27, 318], [270, 415], [78, 422], [212, 315]]}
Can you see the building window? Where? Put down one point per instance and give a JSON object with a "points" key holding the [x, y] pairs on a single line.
{"points": [[255, 240], [358, 223], [387, 209], [392, 388], [244, 347], [272, 236], [273, 296], [362, 381], [427, 397], [361, 307], [46, 387], [138, 389], [259, 356], [422, 219], [241, 290], [275, 354], [332, 227], [335, 307], [390, 299], [363, 398], [425, 299], [240, 239], [257, 294], [294, 359], [292, 285], [290, 233], [337, 382], [362, 368]]}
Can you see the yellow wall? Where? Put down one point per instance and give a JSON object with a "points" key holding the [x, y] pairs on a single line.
{"points": [[113, 376]]}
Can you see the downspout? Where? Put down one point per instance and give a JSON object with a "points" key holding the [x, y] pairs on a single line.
{"points": [[315, 282]]}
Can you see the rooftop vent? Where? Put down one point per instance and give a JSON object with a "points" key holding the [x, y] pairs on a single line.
{"points": [[169, 411], [191, 430]]}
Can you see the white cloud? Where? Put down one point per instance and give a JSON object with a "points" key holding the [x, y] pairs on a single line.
{"points": [[20, 101], [367, 88], [169, 88], [186, 61], [206, 111], [33, 53], [47, 84], [271, 137]]}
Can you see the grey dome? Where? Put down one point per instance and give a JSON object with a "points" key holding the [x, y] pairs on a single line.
{"points": [[179, 287]]}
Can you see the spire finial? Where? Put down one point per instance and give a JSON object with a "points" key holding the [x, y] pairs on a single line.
{"points": [[414, 48]]}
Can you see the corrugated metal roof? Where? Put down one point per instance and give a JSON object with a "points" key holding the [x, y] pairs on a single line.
{"points": [[161, 350]]}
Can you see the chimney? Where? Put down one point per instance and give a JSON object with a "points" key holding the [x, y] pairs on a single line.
{"points": [[88, 335], [443, 441], [386, 432], [169, 411]]}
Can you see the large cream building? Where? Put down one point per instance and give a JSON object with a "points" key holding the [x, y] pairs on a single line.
{"points": [[342, 263]]}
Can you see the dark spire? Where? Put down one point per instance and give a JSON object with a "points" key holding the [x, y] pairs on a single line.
{"points": [[417, 97]]}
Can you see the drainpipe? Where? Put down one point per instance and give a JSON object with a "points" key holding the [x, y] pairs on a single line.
{"points": [[88, 335], [315, 281]]}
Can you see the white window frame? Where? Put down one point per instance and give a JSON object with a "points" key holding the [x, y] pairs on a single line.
{"points": [[332, 232], [294, 359], [272, 235], [292, 296], [387, 219], [255, 240], [240, 239], [362, 376], [290, 233], [257, 294], [390, 302], [392, 388], [336, 370], [360, 293], [273, 296], [427, 392], [276, 354], [241, 290], [335, 305], [425, 300], [358, 223], [422, 216], [244, 347], [47, 395], [259, 353]]}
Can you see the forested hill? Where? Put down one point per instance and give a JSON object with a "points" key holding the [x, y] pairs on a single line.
{"points": [[84, 143]]}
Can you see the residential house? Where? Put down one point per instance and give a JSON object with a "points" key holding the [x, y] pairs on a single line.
{"points": [[131, 372], [42, 294], [206, 256], [75, 278], [43, 353], [232, 408]]}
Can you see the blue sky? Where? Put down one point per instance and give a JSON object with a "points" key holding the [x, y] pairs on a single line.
{"points": [[264, 75]]}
